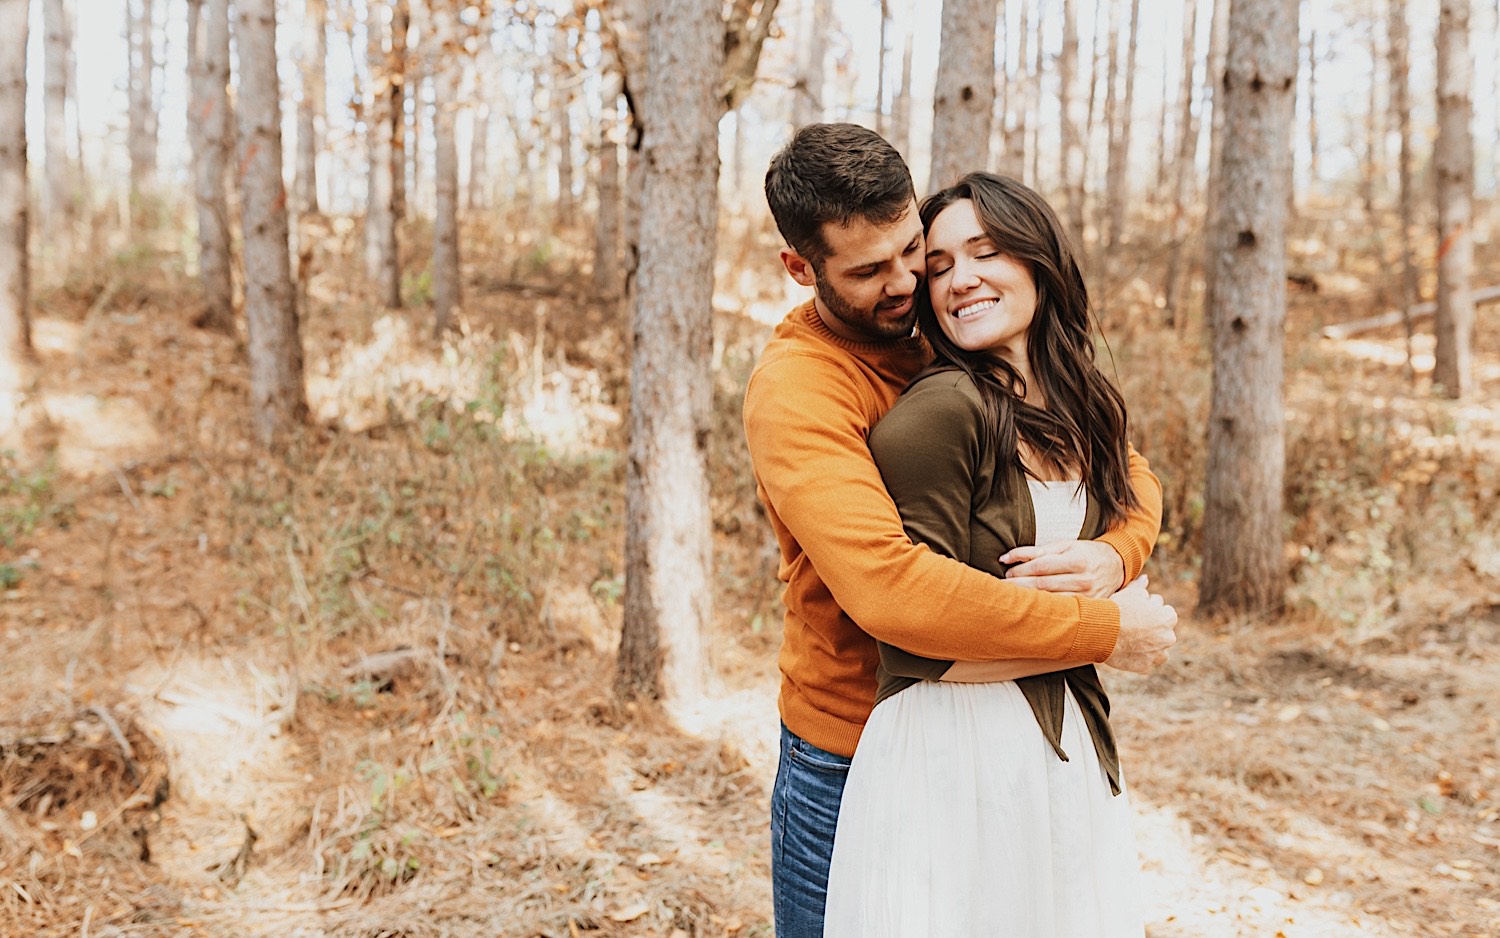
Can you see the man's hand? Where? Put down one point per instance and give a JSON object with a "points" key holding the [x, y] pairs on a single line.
{"points": [[1083, 568], [1147, 629]]}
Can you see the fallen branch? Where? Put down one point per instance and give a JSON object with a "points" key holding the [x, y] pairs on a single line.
{"points": [[1394, 317]]}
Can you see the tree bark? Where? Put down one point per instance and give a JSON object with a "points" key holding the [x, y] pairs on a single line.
{"points": [[901, 108], [61, 182], [396, 67], [279, 398], [1185, 169], [668, 541], [312, 109], [1161, 128], [1067, 73], [211, 132], [1213, 88], [1019, 98], [1453, 161], [1314, 164], [609, 277], [15, 264], [476, 196], [1242, 547], [1095, 60], [1118, 184], [381, 263], [562, 120], [964, 98], [1398, 34], [1369, 170], [445, 65], [142, 97], [885, 29], [1034, 95], [807, 100]]}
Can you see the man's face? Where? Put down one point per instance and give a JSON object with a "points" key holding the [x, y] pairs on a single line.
{"points": [[865, 287]]}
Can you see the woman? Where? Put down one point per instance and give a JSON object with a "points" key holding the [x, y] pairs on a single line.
{"points": [[985, 797]]}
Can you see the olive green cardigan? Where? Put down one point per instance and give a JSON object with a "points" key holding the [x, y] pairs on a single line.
{"points": [[964, 500]]}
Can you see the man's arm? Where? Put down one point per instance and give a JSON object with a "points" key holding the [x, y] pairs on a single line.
{"points": [[806, 431]]}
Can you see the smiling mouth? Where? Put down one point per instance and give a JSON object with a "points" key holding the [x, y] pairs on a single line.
{"points": [[975, 308]]}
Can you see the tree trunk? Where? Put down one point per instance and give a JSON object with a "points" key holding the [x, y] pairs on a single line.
{"points": [[61, 183], [312, 109], [1019, 98], [1401, 105], [1185, 169], [414, 164], [15, 267], [476, 196], [1453, 161], [1213, 87], [807, 99], [1000, 120], [885, 29], [276, 385], [901, 107], [562, 120], [1067, 73], [211, 132], [1369, 170], [1095, 59], [142, 97], [381, 264], [964, 97], [668, 541], [1242, 547], [445, 65], [1314, 164], [1161, 129], [608, 275], [396, 68], [1034, 95], [1117, 185]]}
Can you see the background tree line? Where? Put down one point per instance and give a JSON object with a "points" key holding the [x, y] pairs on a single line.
{"points": [[630, 123]]}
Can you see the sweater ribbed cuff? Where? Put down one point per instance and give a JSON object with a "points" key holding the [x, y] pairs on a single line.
{"points": [[1129, 550], [1098, 629]]}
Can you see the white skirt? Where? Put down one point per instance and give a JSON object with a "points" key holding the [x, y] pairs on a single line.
{"points": [[959, 821]]}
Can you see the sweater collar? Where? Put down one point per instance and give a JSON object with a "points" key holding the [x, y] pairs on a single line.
{"points": [[807, 313]]}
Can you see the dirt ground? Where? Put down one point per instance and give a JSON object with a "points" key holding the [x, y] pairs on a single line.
{"points": [[235, 711]]}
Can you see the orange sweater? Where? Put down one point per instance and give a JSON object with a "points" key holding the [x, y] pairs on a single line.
{"points": [[845, 557]]}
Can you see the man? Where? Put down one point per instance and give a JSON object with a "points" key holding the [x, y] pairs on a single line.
{"points": [[843, 199]]}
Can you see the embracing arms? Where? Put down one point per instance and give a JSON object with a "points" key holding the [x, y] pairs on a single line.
{"points": [[806, 423]]}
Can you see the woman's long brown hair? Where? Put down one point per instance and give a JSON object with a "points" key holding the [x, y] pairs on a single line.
{"points": [[1084, 423]]}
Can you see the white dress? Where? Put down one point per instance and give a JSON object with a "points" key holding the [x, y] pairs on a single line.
{"points": [[959, 821]]}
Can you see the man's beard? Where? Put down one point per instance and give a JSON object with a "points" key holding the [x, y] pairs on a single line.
{"points": [[868, 322]]}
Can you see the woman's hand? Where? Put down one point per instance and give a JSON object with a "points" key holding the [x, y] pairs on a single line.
{"points": [[1082, 568]]}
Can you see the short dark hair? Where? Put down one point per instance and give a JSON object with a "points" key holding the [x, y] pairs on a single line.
{"points": [[835, 173]]}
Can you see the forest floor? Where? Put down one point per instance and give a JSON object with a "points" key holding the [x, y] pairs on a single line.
{"points": [[365, 692]]}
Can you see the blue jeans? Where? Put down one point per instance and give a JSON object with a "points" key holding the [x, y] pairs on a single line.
{"points": [[804, 812]]}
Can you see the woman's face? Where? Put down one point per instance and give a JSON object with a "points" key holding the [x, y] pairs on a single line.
{"points": [[984, 300]]}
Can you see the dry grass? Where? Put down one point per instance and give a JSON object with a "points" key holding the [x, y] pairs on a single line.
{"points": [[376, 673]]}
